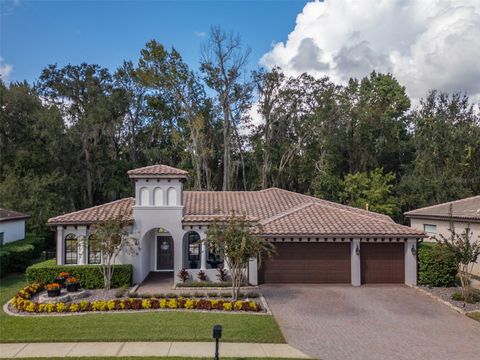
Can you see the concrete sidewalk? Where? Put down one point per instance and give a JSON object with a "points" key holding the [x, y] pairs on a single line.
{"points": [[110, 349]]}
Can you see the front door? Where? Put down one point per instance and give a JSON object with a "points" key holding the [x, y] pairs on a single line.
{"points": [[164, 253]]}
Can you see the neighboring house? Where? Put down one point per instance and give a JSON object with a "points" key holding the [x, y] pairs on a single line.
{"points": [[436, 220], [317, 241], [12, 226]]}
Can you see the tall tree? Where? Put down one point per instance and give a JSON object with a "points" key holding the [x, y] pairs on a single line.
{"points": [[223, 64], [94, 110], [33, 153], [127, 78], [446, 138], [166, 73], [371, 191]]}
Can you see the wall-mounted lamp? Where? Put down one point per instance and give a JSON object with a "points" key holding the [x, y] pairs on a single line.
{"points": [[357, 250], [414, 250]]}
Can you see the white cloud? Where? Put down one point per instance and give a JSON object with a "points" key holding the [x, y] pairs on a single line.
{"points": [[5, 70], [425, 44], [200, 33]]}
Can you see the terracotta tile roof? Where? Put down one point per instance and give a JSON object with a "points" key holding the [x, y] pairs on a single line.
{"points": [[96, 213], [278, 211], [313, 219], [155, 170], [261, 204], [468, 208], [8, 215]]}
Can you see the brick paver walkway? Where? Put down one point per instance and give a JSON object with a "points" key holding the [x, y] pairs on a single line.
{"points": [[371, 323]]}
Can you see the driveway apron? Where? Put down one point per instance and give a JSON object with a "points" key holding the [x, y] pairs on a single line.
{"points": [[335, 322]]}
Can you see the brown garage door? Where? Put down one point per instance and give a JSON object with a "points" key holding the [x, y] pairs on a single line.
{"points": [[308, 263], [382, 263]]}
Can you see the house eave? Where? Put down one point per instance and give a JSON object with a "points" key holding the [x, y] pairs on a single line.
{"points": [[442, 217]]}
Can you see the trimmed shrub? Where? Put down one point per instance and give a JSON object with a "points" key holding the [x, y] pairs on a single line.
{"points": [[18, 255], [89, 276], [437, 265], [203, 284]]}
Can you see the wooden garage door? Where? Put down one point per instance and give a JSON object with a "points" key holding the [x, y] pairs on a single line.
{"points": [[308, 263], [382, 263]]}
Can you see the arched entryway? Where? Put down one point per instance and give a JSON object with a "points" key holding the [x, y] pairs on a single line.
{"points": [[164, 253], [159, 251]]}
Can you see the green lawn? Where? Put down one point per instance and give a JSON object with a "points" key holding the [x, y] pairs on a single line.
{"points": [[153, 326], [475, 315]]}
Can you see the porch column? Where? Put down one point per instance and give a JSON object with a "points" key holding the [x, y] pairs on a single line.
{"points": [[82, 246], [253, 271], [60, 245], [355, 262], [203, 256], [411, 262]]}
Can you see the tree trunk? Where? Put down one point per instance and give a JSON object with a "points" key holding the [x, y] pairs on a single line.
{"points": [[226, 149], [88, 176]]}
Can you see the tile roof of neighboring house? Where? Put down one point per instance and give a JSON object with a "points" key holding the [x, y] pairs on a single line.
{"points": [[9, 215], [468, 209], [314, 218], [96, 214], [155, 170], [278, 211]]}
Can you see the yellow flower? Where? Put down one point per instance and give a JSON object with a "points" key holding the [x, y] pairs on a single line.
{"points": [[61, 307], [253, 305], [189, 304], [83, 305], [30, 307], [172, 303], [146, 304], [163, 303], [238, 305], [74, 307], [227, 306]]}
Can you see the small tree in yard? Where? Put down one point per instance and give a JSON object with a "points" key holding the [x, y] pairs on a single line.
{"points": [[113, 238], [466, 253], [233, 241]]}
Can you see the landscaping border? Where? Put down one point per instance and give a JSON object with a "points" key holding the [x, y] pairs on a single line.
{"points": [[266, 311], [450, 305], [23, 304]]}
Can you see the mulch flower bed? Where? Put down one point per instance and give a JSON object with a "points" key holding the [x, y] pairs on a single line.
{"points": [[24, 302], [445, 293]]}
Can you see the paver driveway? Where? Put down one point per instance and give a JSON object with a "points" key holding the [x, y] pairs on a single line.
{"points": [[335, 322]]}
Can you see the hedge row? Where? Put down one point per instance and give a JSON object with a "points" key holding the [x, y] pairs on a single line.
{"points": [[89, 276], [437, 265], [17, 255]]}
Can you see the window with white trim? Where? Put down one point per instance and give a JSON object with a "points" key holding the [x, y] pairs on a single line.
{"points": [[71, 249], [94, 252], [430, 228]]}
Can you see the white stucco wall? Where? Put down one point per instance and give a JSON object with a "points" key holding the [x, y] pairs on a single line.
{"points": [[12, 230], [443, 227]]}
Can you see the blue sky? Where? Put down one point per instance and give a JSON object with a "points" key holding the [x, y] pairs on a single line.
{"points": [[37, 33]]}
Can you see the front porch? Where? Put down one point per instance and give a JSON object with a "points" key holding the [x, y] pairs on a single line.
{"points": [[164, 251]]}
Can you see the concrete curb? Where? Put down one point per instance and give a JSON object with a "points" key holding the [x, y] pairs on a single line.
{"points": [[170, 348], [267, 311]]}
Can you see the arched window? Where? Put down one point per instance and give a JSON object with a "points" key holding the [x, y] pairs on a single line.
{"points": [[158, 196], [144, 197], [193, 242], [71, 249], [172, 196], [94, 253]]}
